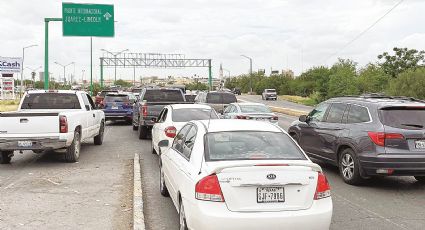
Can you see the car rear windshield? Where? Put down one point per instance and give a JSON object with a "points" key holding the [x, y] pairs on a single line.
{"points": [[166, 95], [403, 117], [270, 91], [221, 98], [103, 93], [117, 98], [251, 145], [254, 109], [189, 114], [50, 101]]}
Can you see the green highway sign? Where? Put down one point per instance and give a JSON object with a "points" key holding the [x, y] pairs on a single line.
{"points": [[95, 20]]}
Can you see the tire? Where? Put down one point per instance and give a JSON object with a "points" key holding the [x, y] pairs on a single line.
{"points": [[135, 128], [162, 187], [153, 149], [420, 179], [73, 151], [143, 132], [349, 167], [5, 157], [98, 140], [182, 217]]}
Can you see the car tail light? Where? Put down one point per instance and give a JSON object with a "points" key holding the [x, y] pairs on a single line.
{"points": [[144, 110], [323, 188], [170, 131], [379, 137], [208, 188], [63, 124], [242, 117]]}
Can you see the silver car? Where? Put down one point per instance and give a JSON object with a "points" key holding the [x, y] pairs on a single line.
{"points": [[250, 111]]}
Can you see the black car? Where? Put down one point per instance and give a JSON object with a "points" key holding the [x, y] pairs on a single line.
{"points": [[366, 136]]}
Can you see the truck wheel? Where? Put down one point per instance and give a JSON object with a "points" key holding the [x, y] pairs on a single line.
{"points": [[143, 132], [5, 157], [98, 140], [73, 151]]}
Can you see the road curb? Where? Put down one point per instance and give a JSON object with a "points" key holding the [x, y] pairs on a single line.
{"points": [[138, 216]]}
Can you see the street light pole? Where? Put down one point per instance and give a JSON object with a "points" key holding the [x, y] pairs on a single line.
{"points": [[33, 71], [64, 69], [22, 68], [115, 54], [250, 71]]}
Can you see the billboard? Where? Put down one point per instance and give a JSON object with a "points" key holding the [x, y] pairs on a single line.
{"points": [[10, 65]]}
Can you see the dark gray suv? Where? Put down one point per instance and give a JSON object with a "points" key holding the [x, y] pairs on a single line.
{"points": [[366, 136]]}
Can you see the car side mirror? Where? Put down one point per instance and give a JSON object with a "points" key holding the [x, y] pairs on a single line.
{"points": [[87, 107], [163, 143], [154, 119], [303, 118]]}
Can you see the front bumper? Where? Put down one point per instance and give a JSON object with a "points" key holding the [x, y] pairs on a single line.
{"points": [[206, 215], [403, 165], [38, 143]]}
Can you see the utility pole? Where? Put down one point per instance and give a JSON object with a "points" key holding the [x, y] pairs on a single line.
{"points": [[115, 54], [250, 71]]}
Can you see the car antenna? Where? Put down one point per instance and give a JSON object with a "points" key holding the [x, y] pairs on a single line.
{"points": [[209, 119]]}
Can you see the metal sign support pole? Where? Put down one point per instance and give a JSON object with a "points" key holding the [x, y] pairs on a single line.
{"points": [[46, 50]]}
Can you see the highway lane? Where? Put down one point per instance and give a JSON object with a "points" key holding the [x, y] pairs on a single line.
{"points": [[277, 103]]}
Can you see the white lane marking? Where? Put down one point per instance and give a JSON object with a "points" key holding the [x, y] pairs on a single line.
{"points": [[138, 215]]}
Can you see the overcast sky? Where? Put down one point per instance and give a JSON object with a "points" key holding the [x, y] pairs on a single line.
{"points": [[278, 34]]}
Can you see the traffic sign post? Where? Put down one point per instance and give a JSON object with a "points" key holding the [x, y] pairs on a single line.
{"points": [[93, 20]]}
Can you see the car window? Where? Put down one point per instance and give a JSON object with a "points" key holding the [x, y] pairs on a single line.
{"points": [[403, 117], [189, 142], [251, 145], [228, 109], [117, 98], [318, 113], [90, 101], [86, 102], [254, 109], [160, 95], [221, 98], [358, 114], [189, 114], [179, 139], [163, 115], [51, 101], [335, 113]]}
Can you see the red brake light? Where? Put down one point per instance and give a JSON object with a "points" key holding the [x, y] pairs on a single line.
{"points": [[145, 110], [170, 131], [241, 117], [63, 124], [379, 137], [208, 188], [323, 188]]}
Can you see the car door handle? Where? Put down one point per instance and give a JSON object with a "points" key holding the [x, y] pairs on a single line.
{"points": [[94, 115]]}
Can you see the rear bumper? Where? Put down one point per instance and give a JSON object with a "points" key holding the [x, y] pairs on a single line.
{"points": [[38, 143], [205, 215], [110, 115], [403, 165]]}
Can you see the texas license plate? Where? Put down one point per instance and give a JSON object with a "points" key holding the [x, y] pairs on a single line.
{"points": [[420, 144], [24, 144], [270, 195]]}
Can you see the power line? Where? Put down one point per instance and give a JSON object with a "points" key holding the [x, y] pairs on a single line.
{"points": [[365, 31]]}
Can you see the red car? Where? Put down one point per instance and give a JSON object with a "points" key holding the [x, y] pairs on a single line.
{"points": [[100, 96]]}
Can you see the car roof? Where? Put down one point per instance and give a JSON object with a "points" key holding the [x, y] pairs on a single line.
{"points": [[55, 91], [188, 106], [224, 125], [379, 102]]}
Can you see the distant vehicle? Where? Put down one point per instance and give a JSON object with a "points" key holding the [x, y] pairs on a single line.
{"points": [[237, 91], [150, 104], [101, 95], [269, 94], [181, 87], [237, 174], [50, 120], [219, 100], [190, 97], [117, 106], [173, 117], [250, 111], [366, 136]]}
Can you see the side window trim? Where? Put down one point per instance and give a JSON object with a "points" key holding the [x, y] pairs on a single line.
{"points": [[183, 138], [184, 143]]}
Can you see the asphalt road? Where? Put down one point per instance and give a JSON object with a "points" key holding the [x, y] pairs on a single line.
{"points": [[277, 103], [41, 191]]}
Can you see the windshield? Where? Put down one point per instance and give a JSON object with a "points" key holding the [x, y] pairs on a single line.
{"points": [[403, 117], [117, 98], [251, 145], [51, 101], [270, 91], [189, 114], [103, 93], [254, 109], [221, 98], [163, 95]]}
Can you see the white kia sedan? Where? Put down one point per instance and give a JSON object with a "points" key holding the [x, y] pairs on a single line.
{"points": [[173, 117], [250, 111], [239, 174]]}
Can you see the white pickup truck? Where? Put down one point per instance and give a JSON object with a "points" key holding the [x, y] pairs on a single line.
{"points": [[50, 120]]}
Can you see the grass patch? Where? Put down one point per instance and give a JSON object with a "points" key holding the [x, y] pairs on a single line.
{"points": [[298, 99], [8, 105]]}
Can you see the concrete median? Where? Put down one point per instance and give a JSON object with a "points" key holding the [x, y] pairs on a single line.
{"points": [[288, 111]]}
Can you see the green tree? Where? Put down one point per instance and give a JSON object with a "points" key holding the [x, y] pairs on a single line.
{"points": [[402, 60], [343, 80], [410, 83], [122, 83], [372, 79], [196, 86]]}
